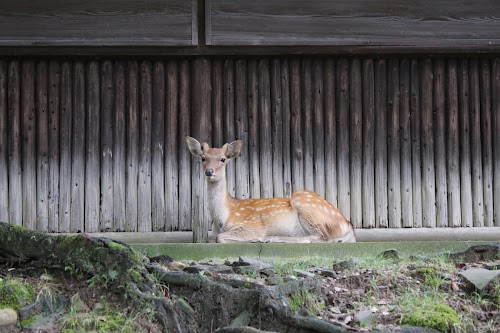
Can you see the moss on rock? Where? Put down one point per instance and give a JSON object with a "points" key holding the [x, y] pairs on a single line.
{"points": [[440, 317], [15, 294]]}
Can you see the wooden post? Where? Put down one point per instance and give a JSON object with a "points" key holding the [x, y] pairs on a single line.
{"points": [[319, 128], [356, 144], [185, 165], [496, 139], [286, 127], [119, 148], [406, 145], [241, 113], [416, 176], [132, 158], [228, 115], [307, 124], [253, 137], [276, 129], [330, 133], [54, 115], [368, 180], [343, 152], [4, 145], [296, 127], [265, 131]]}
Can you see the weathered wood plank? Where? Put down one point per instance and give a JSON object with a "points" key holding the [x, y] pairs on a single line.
{"points": [[297, 160], [217, 115], [201, 128], [47, 23], [277, 129], [66, 114], [241, 114], [381, 200], [106, 145], [92, 156], [265, 137], [54, 115], [343, 135], [286, 125], [253, 126], [427, 140], [319, 127], [475, 143], [359, 22], [330, 132], [405, 141], [172, 146], [496, 138], [368, 123], [157, 145], [14, 137], [452, 142], [307, 124], [4, 144], [464, 135], [119, 147], [486, 140], [440, 144], [77, 221], [228, 115], [185, 164], [144, 168], [356, 143], [416, 176]]}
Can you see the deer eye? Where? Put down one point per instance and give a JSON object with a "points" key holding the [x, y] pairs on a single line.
{"points": [[223, 160], [203, 159]]}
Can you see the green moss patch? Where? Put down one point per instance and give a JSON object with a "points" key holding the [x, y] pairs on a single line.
{"points": [[15, 294], [440, 317]]}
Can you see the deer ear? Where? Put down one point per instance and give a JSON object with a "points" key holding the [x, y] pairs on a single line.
{"points": [[194, 146], [234, 149]]}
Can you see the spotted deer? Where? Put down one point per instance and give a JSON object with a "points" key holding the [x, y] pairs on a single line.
{"points": [[305, 217]]}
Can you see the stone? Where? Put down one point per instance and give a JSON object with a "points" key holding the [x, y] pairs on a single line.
{"points": [[273, 280], [345, 264], [176, 266], [245, 270], [8, 317], [302, 273], [416, 329], [390, 254], [492, 265], [77, 304], [364, 318], [198, 268], [326, 272], [477, 253], [479, 279], [267, 272], [259, 264]]}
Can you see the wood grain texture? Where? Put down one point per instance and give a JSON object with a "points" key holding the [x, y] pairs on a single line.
{"points": [[54, 115], [343, 135], [368, 123], [496, 139], [4, 145], [241, 126], [119, 147], [297, 152], [415, 114], [132, 159], [253, 132], [109, 22], [227, 119], [276, 128], [14, 137], [359, 22], [307, 124], [356, 144], [319, 127], [330, 133], [265, 131], [286, 127]]}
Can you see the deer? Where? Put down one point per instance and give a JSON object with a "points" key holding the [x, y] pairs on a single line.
{"points": [[304, 217]]}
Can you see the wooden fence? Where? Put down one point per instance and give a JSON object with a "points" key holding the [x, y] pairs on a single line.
{"points": [[89, 145]]}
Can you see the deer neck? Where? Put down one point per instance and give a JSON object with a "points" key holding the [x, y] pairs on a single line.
{"points": [[218, 204]]}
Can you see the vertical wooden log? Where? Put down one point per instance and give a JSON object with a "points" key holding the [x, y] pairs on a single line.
{"points": [[394, 145], [277, 129], [265, 142], [172, 146], [42, 121], [343, 151], [241, 98], [464, 135], [201, 128], [405, 125], [440, 144], [286, 117], [296, 127], [77, 221], [415, 114], [427, 140], [65, 148], [217, 104], [4, 144], [330, 133], [486, 137], [496, 139], [145, 122], [368, 146], [452, 153], [92, 161], [356, 142], [319, 128], [54, 104], [28, 146], [253, 140], [381, 200], [133, 133], [228, 119], [307, 124], [107, 129], [157, 137], [476, 147], [14, 137], [185, 164], [119, 147]]}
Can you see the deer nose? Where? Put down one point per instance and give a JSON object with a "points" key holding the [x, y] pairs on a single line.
{"points": [[209, 172]]}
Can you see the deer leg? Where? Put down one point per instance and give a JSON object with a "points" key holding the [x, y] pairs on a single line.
{"points": [[236, 236], [284, 239]]}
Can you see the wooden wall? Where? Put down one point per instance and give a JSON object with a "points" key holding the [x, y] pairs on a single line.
{"points": [[99, 145]]}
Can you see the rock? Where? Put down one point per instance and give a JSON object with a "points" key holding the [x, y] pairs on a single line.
{"points": [[245, 270], [345, 264], [479, 279], [390, 254], [77, 304], [302, 273], [8, 317], [477, 253], [267, 272], [413, 329], [176, 266], [184, 306], [492, 265], [273, 280], [259, 264], [326, 272], [162, 260], [364, 318], [198, 268], [44, 313]]}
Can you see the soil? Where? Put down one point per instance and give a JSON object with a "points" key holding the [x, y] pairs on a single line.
{"points": [[338, 299]]}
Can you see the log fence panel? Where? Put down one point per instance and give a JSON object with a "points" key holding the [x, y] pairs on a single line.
{"points": [[391, 142]]}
